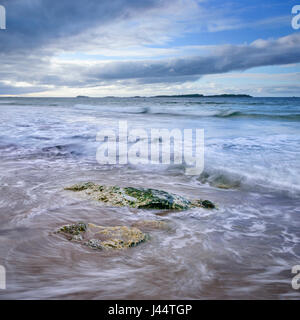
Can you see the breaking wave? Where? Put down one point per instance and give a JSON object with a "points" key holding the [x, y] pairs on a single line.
{"points": [[227, 179], [224, 114]]}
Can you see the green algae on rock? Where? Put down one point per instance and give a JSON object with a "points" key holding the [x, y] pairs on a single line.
{"points": [[81, 187], [100, 238], [140, 198], [203, 204], [74, 229]]}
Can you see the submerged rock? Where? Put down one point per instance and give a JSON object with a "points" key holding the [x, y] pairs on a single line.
{"points": [[221, 181], [151, 225], [223, 186], [100, 238], [140, 198], [81, 186]]}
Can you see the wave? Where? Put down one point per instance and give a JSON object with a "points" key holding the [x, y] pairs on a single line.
{"points": [[223, 114], [62, 150], [195, 102], [223, 102], [221, 179], [113, 109], [6, 101], [239, 114], [49, 152], [227, 114], [235, 180], [9, 103], [16, 103]]}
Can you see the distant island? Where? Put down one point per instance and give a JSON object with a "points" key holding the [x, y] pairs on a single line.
{"points": [[229, 96], [196, 95], [203, 96]]}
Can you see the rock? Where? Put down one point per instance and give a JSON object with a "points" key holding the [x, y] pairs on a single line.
{"points": [[81, 187], [156, 199], [74, 229], [140, 198], [203, 204], [223, 186], [207, 204], [100, 238], [221, 181]]}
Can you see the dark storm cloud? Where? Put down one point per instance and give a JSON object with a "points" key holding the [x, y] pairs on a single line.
{"points": [[227, 58], [38, 29], [33, 24], [12, 90], [38, 70]]}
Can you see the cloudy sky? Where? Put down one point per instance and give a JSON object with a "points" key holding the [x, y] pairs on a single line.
{"points": [[149, 47]]}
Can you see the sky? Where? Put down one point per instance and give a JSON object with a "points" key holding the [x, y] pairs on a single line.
{"points": [[149, 47]]}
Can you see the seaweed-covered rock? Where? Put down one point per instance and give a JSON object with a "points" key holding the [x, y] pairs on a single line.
{"points": [[81, 186], [203, 204], [140, 198], [74, 229], [207, 204], [98, 237]]}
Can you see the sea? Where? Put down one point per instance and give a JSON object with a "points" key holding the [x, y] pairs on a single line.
{"points": [[244, 249]]}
